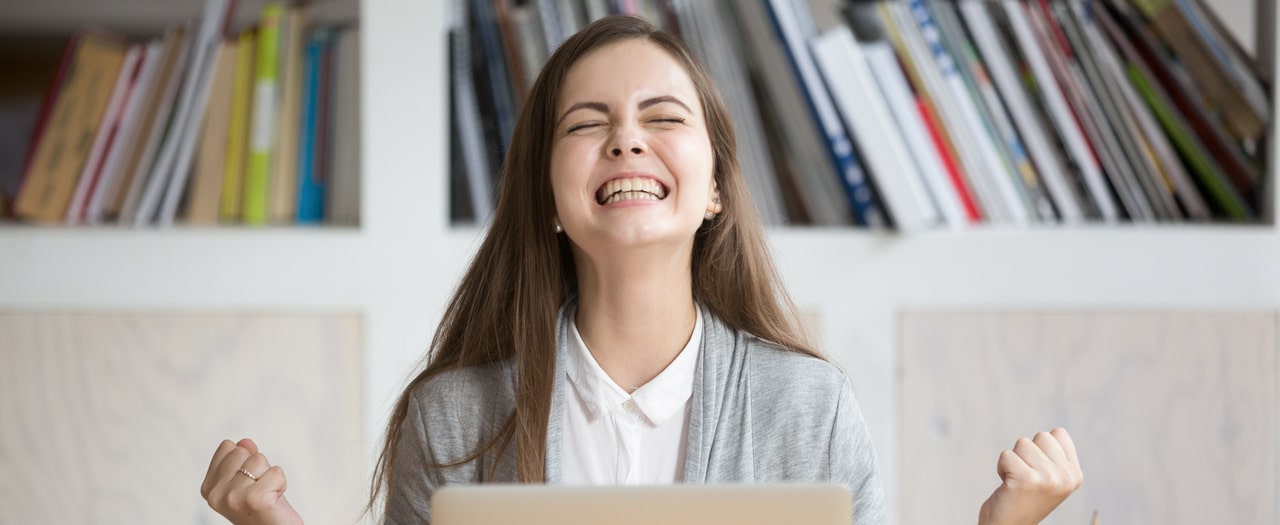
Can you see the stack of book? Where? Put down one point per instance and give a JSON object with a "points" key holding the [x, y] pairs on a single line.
{"points": [[922, 114], [259, 127]]}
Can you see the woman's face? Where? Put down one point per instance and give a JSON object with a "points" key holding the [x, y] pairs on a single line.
{"points": [[631, 161]]}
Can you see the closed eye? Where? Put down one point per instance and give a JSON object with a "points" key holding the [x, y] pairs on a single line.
{"points": [[582, 126], [672, 120]]}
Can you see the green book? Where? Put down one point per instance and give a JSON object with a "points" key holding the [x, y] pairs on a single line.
{"points": [[1210, 176], [266, 102]]}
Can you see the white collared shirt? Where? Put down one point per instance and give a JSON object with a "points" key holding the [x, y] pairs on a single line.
{"points": [[615, 438]]}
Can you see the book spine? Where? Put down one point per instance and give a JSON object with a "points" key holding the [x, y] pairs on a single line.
{"points": [[238, 131], [840, 146], [262, 133], [310, 188]]}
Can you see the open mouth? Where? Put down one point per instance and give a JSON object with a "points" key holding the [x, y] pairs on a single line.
{"points": [[628, 189]]}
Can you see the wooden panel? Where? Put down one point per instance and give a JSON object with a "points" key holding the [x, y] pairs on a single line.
{"points": [[112, 418], [1174, 414]]}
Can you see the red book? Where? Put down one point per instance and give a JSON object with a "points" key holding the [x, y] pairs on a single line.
{"points": [[948, 160]]}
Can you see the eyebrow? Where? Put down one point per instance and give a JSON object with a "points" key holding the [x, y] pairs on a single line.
{"points": [[604, 108]]}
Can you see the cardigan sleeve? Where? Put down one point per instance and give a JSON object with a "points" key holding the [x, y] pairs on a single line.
{"points": [[412, 477], [853, 460]]}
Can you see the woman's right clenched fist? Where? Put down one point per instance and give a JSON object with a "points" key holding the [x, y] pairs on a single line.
{"points": [[242, 486]]}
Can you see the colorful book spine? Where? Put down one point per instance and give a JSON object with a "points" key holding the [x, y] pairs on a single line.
{"points": [[262, 134], [310, 148], [238, 132], [866, 207]]}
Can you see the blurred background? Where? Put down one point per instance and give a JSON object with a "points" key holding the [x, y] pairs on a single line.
{"points": [[243, 219]]}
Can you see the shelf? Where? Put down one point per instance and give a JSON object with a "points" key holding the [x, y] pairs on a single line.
{"points": [[1160, 266], [138, 17], [1138, 267], [206, 268]]}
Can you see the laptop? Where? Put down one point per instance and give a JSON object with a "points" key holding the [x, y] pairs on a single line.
{"points": [[811, 504]]}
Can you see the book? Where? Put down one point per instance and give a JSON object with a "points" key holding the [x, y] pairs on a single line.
{"points": [[65, 140], [859, 197], [865, 110], [1146, 170], [468, 130], [106, 192], [992, 110], [901, 102], [997, 173], [238, 129], [342, 203], [805, 158], [1170, 166], [312, 145], [1227, 153], [205, 195], [952, 119], [108, 128], [1061, 117], [1049, 164], [707, 32], [282, 197], [262, 129], [1245, 121], [156, 121], [169, 175], [1088, 117]]}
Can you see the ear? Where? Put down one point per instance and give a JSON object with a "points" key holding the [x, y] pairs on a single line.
{"points": [[713, 200]]}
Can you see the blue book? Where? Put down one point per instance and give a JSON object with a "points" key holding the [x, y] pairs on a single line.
{"points": [[312, 146], [784, 16]]}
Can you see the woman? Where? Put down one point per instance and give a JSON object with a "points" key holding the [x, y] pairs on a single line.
{"points": [[622, 321]]}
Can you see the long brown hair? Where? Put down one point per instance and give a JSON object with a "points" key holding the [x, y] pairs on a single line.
{"points": [[507, 304]]}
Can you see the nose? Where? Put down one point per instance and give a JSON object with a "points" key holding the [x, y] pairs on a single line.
{"points": [[635, 150], [626, 139]]}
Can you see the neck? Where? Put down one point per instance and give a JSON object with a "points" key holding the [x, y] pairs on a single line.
{"points": [[635, 312]]}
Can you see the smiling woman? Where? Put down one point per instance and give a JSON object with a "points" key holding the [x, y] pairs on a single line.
{"points": [[622, 322]]}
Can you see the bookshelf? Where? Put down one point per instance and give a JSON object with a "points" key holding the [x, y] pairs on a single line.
{"points": [[399, 267]]}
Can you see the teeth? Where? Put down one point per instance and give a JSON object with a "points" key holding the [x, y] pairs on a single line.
{"points": [[631, 189]]}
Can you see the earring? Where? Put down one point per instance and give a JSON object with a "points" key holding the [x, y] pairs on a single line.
{"points": [[709, 215], [559, 228]]}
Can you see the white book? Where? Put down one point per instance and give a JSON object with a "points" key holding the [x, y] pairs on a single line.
{"points": [[1060, 112], [858, 98], [815, 170], [793, 31], [1000, 66], [108, 129], [343, 196], [928, 161], [160, 128], [997, 173], [174, 163], [951, 117], [1092, 119], [127, 134]]}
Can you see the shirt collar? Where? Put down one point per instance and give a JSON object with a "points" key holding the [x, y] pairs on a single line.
{"points": [[658, 400]]}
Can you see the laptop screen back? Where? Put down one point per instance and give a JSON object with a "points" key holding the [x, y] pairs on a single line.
{"points": [[812, 504]]}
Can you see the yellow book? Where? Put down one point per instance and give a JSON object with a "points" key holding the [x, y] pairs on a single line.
{"points": [[206, 187], [238, 129], [262, 132], [64, 146], [283, 202]]}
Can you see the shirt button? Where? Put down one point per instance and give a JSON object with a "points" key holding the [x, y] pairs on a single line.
{"points": [[630, 406]]}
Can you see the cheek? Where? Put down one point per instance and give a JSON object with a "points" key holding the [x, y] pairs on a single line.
{"points": [[695, 163], [570, 166]]}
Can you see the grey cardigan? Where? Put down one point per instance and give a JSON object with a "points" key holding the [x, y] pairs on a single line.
{"points": [[759, 414]]}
